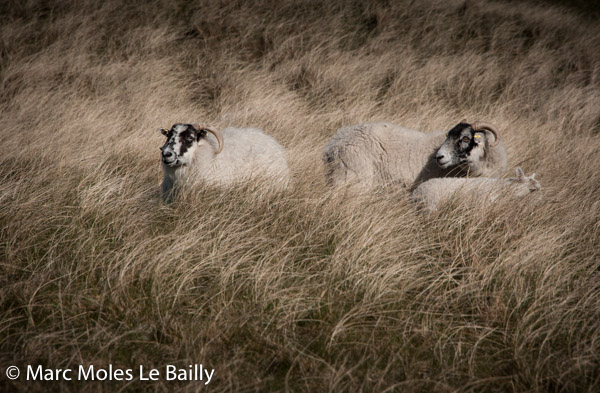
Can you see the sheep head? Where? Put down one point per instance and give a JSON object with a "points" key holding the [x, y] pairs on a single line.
{"points": [[530, 182], [467, 145], [182, 141]]}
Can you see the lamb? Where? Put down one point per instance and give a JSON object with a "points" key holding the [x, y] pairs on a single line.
{"points": [[190, 155], [433, 193], [366, 156]]}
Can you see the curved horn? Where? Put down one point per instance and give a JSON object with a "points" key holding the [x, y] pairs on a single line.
{"points": [[487, 127], [213, 131]]}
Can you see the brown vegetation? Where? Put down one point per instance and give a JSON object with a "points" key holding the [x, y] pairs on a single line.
{"points": [[301, 290]]}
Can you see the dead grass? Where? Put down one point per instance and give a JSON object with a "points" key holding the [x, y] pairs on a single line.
{"points": [[301, 290]]}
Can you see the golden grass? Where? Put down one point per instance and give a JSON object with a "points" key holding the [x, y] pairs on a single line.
{"points": [[302, 290]]}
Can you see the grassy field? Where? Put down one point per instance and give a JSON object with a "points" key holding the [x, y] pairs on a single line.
{"points": [[301, 290]]}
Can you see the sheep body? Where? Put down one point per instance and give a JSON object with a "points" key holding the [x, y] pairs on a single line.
{"points": [[367, 155], [433, 193], [248, 153]]}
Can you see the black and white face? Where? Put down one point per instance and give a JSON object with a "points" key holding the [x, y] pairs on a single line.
{"points": [[462, 145], [182, 141]]}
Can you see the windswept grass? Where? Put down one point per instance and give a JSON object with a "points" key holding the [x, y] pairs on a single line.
{"points": [[302, 290]]}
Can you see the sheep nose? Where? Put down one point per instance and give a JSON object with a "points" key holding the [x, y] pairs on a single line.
{"points": [[167, 154], [440, 157]]}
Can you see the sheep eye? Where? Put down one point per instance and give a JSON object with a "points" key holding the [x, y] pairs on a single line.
{"points": [[466, 139]]}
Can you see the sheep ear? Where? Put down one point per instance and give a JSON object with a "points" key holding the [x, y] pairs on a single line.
{"points": [[477, 137], [201, 133], [520, 173], [164, 131]]}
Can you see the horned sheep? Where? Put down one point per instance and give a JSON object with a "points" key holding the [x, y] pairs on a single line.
{"points": [[435, 192], [200, 153], [365, 156]]}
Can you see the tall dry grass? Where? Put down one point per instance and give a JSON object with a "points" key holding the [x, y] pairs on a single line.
{"points": [[301, 290]]}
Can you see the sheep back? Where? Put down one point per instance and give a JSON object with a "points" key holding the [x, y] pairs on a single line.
{"points": [[366, 155], [435, 192], [248, 153]]}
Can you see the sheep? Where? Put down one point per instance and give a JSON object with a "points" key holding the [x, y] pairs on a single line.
{"points": [[431, 194], [233, 155], [366, 156]]}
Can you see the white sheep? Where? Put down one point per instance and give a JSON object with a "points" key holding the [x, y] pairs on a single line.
{"points": [[365, 156], [234, 155], [433, 193]]}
